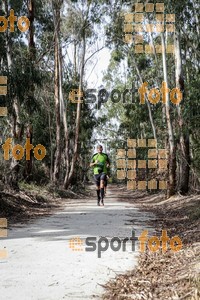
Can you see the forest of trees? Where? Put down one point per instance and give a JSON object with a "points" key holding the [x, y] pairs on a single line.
{"points": [[41, 73]]}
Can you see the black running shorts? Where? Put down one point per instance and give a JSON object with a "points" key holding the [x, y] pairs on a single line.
{"points": [[99, 177]]}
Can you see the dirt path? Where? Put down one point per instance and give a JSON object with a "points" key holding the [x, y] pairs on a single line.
{"points": [[41, 265]]}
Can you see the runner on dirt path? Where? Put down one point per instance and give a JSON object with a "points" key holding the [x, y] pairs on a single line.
{"points": [[100, 163]]}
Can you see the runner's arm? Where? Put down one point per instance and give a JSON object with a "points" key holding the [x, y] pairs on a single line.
{"points": [[93, 162], [108, 161]]}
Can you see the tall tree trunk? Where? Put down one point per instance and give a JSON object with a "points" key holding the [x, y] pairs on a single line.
{"points": [[75, 64], [29, 130], [64, 119], [50, 138], [68, 178], [184, 134], [66, 130], [172, 148], [16, 126], [147, 102], [56, 13], [78, 119]]}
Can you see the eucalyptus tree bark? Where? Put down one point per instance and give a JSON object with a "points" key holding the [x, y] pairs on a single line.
{"points": [[172, 148], [64, 120], [196, 15], [75, 59], [29, 129], [78, 119], [56, 13], [68, 178], [17, 128], [184, 133], [147, 102]]}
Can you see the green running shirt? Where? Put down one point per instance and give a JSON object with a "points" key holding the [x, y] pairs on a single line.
{"points": [[102, 161]]}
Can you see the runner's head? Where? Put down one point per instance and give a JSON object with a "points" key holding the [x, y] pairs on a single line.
{"points": [[99, 149]]}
